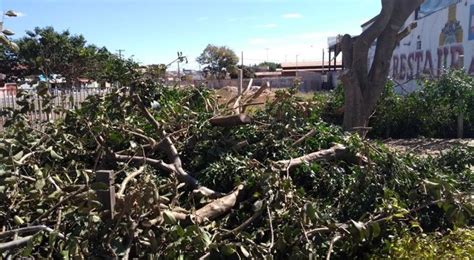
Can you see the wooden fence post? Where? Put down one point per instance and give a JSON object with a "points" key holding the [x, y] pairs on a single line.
{"points": [[106, 197]]}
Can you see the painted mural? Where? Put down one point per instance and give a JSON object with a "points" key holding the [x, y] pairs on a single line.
{"points": [[444, 39], [432, 6]]}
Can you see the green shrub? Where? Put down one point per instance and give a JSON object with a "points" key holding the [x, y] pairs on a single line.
{"points": [[430, 112], [458, 244]]}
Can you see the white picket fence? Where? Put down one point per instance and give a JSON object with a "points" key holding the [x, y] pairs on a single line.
{"points": [[66, 99]]}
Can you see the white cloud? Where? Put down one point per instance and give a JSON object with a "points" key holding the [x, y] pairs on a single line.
{"points": [[203, 18], [268, 26], [292, 16]]}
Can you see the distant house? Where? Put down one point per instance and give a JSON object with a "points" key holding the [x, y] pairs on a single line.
{"points": [[87, 83], [269, 74], [192, 75], [292, 69]]}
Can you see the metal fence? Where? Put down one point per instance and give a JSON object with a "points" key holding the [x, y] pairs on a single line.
{"points": [[61, 98]]}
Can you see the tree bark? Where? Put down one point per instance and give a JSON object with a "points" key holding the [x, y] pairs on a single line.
{"points": [[231, 121], [363, 86]]}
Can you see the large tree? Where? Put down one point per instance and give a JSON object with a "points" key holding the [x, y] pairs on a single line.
{"points": [[218, 61], [363, 85], [10, 65], [46, 51]]}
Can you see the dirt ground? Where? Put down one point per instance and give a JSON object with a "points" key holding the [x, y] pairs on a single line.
{"points": [[426, 146], [226, 93]]}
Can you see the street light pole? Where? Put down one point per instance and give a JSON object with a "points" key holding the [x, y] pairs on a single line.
{"points": [[296, 65], [4, 33]]}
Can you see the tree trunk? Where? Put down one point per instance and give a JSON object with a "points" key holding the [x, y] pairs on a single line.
{"points": [[354, 115], [363, 86]]}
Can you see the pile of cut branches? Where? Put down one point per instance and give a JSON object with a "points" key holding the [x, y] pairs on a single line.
{"points": [[186, 177]]}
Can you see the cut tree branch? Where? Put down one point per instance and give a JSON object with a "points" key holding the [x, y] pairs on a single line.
{"points": [[133, 175], [180, 173], [29, 230], [218, 207], [15, 243], [231, 121], [337, 152], [306, 136]]}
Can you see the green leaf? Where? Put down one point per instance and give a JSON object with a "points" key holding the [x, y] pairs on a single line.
{"points": [[169, 217], [375, 227], [95, 219], [18, 156], [311, 212], [56, 156], [18, 220], [228, 250], [55, 195], [244, 251], [40, 183], [11, 180], [358, 225]]}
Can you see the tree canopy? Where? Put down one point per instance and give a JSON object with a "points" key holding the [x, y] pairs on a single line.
{"points": [[218, 61], [45, 51]]}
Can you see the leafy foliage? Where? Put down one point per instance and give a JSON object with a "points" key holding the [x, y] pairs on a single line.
{"points": [[44, 51], [218, 61], [457, 244], [48, 177], [431, 112]]}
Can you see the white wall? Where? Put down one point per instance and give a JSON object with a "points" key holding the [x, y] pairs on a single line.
{"points": [[423, 53]]}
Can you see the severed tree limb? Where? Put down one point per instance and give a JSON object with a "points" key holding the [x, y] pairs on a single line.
{"points": [[141, 160], [256, 95], [218, 207], [175, 167], [211, 211], [231, 121], [237, 98], [180, 173], [302, 139], [331, 246], [245, 224], [337, 152], [29, 230], [24, 240], [57, 205], [147, 113], [15, 243], [123, 186]]}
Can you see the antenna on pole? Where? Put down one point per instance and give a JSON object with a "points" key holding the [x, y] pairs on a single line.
{"points": [[120, 51]]}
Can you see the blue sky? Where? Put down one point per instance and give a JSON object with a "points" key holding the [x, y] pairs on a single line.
{"points": [[154, 30]]}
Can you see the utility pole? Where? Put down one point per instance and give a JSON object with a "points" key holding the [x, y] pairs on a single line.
{"points": [[297, 65], [323, 61], [179, 75], [120, 53], [241, 74]]}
